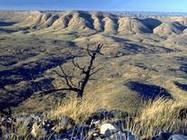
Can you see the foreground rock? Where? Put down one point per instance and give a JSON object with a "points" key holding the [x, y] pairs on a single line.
{"points": [[101, 125]]}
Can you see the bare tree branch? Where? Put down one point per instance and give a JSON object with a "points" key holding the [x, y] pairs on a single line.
{"points": [[86, 72]]}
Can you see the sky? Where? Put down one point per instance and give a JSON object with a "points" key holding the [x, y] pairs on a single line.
{"points": [[101, 5]]}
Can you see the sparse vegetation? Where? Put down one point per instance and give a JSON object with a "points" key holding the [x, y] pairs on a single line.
{"points": [[143, 56]]}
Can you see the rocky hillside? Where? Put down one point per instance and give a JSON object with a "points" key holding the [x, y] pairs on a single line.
{"points": [[95, 21], [137, 49], [144, 58]]}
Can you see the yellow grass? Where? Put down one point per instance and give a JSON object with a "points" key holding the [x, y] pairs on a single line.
{"points": [[151, 118], [160, 114], [75, 108]]}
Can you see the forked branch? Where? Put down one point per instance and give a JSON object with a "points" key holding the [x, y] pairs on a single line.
{"points": [[86, 72]]}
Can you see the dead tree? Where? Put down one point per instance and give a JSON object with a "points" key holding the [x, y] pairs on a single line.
{"points": [[86, 73]]}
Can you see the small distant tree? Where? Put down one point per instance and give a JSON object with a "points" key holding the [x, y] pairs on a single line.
{"points": [[86, 72]]}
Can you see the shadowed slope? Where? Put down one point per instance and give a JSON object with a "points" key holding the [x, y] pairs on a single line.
{"points": [[148, 91]]}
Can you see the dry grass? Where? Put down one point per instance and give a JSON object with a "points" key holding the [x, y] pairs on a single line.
{"points": [[157, 115], [75, 108], [152, 117]]}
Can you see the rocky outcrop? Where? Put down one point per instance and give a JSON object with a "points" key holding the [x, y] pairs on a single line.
{"points": [[110, 25], [98, 22], [132, 25], [169, 28]]}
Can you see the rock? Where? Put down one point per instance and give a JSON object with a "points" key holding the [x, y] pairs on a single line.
{"points": [[49, 126], [182, 113], [36, 117], [107, 129], [169, 28], [35, 129], [120, 124], [65, 122], [162, 136], [132, 25], [119, 114], [98, 116], [123, 136], [93, 134], [102, 114], [1, 133], [110, 25], [78, 132], [8, 123], [178, 137]]}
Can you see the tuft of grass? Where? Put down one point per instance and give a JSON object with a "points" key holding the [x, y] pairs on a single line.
{"points": [[77, 109], [159, 115]]}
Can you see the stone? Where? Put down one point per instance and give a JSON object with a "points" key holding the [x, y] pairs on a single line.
{"points": [[103, 114], [48, 126], [119, 114], [178, 137], [1, 133], [120, 124], [123, 136], [182, 113], [8, 123], [93, 134], [98, 116], [65, 122], [162, 136], [78, 132], [34, 129], [107, 129]]}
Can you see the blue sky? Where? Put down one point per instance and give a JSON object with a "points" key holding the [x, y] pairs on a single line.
{"points": [[103, 5]]}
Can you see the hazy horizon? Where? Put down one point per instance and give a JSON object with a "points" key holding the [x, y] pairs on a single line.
{"points": [[171, 6]]}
